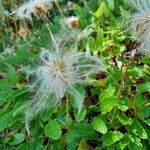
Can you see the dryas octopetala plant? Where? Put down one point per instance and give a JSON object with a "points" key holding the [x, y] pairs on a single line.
{"points": [[60, 70]]}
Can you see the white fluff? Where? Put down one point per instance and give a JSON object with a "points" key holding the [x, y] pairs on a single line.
{"points": [[28, 8], [58, 73], [139, 24]]}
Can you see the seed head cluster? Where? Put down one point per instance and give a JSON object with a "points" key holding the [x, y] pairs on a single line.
{"points": [[139, 24]]}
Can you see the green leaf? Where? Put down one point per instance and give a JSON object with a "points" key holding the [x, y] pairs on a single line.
{"points": [[17, 139], [100, 10], [135, 143], [23, 146], [99, 125], [12, 75], [112, 137], [114, 75], [108, 93], [123, 104], [124, 142], [4, 84], [6, 121], [80, 117], [147, 121], [145, 60], [136, 72], [78, 131], [19, 109], [37, 146], [20, 57], [124, 120], [46, 115], [145, 87], [91, 43], [77, 98], [107, 104], [108, 100], [137, 129], [139, 100], [52, 130]]}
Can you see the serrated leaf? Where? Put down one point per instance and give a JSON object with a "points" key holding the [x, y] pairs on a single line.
{"points": [[123, 104], [112, 137], [107, 104], [77, 98], [99, 125], [52, 130], [124, 120], [108, 100], [135, 143], [137, 129], [124, 142], [108, 93]]}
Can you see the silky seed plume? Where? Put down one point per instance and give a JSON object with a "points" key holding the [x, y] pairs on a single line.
{"points": [[60, 70]]}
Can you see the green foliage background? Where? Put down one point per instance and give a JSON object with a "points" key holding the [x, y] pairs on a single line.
{"points": [[116, 113]]}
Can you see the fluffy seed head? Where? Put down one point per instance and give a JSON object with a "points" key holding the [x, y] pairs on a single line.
{"points": [[60, 70], [71, 5], [72, 21], [139, 24], [37, 7]]}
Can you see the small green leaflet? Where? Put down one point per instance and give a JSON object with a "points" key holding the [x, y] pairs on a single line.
{"points": [[99, 125], [112, 137], [107, 100], [52, 130]]}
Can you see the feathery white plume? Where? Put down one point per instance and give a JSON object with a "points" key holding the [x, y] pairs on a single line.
{"points": [[72, 21], [37, 7], [139, 24], [60, 70]]}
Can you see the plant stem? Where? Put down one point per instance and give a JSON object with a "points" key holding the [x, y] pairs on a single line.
{"points": [[121, 86], [53, 39], [67, 109], [59, 8]]}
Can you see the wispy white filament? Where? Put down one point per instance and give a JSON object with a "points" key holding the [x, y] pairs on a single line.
{"points": [[28, 8], [139, 24], [58, 73]]}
